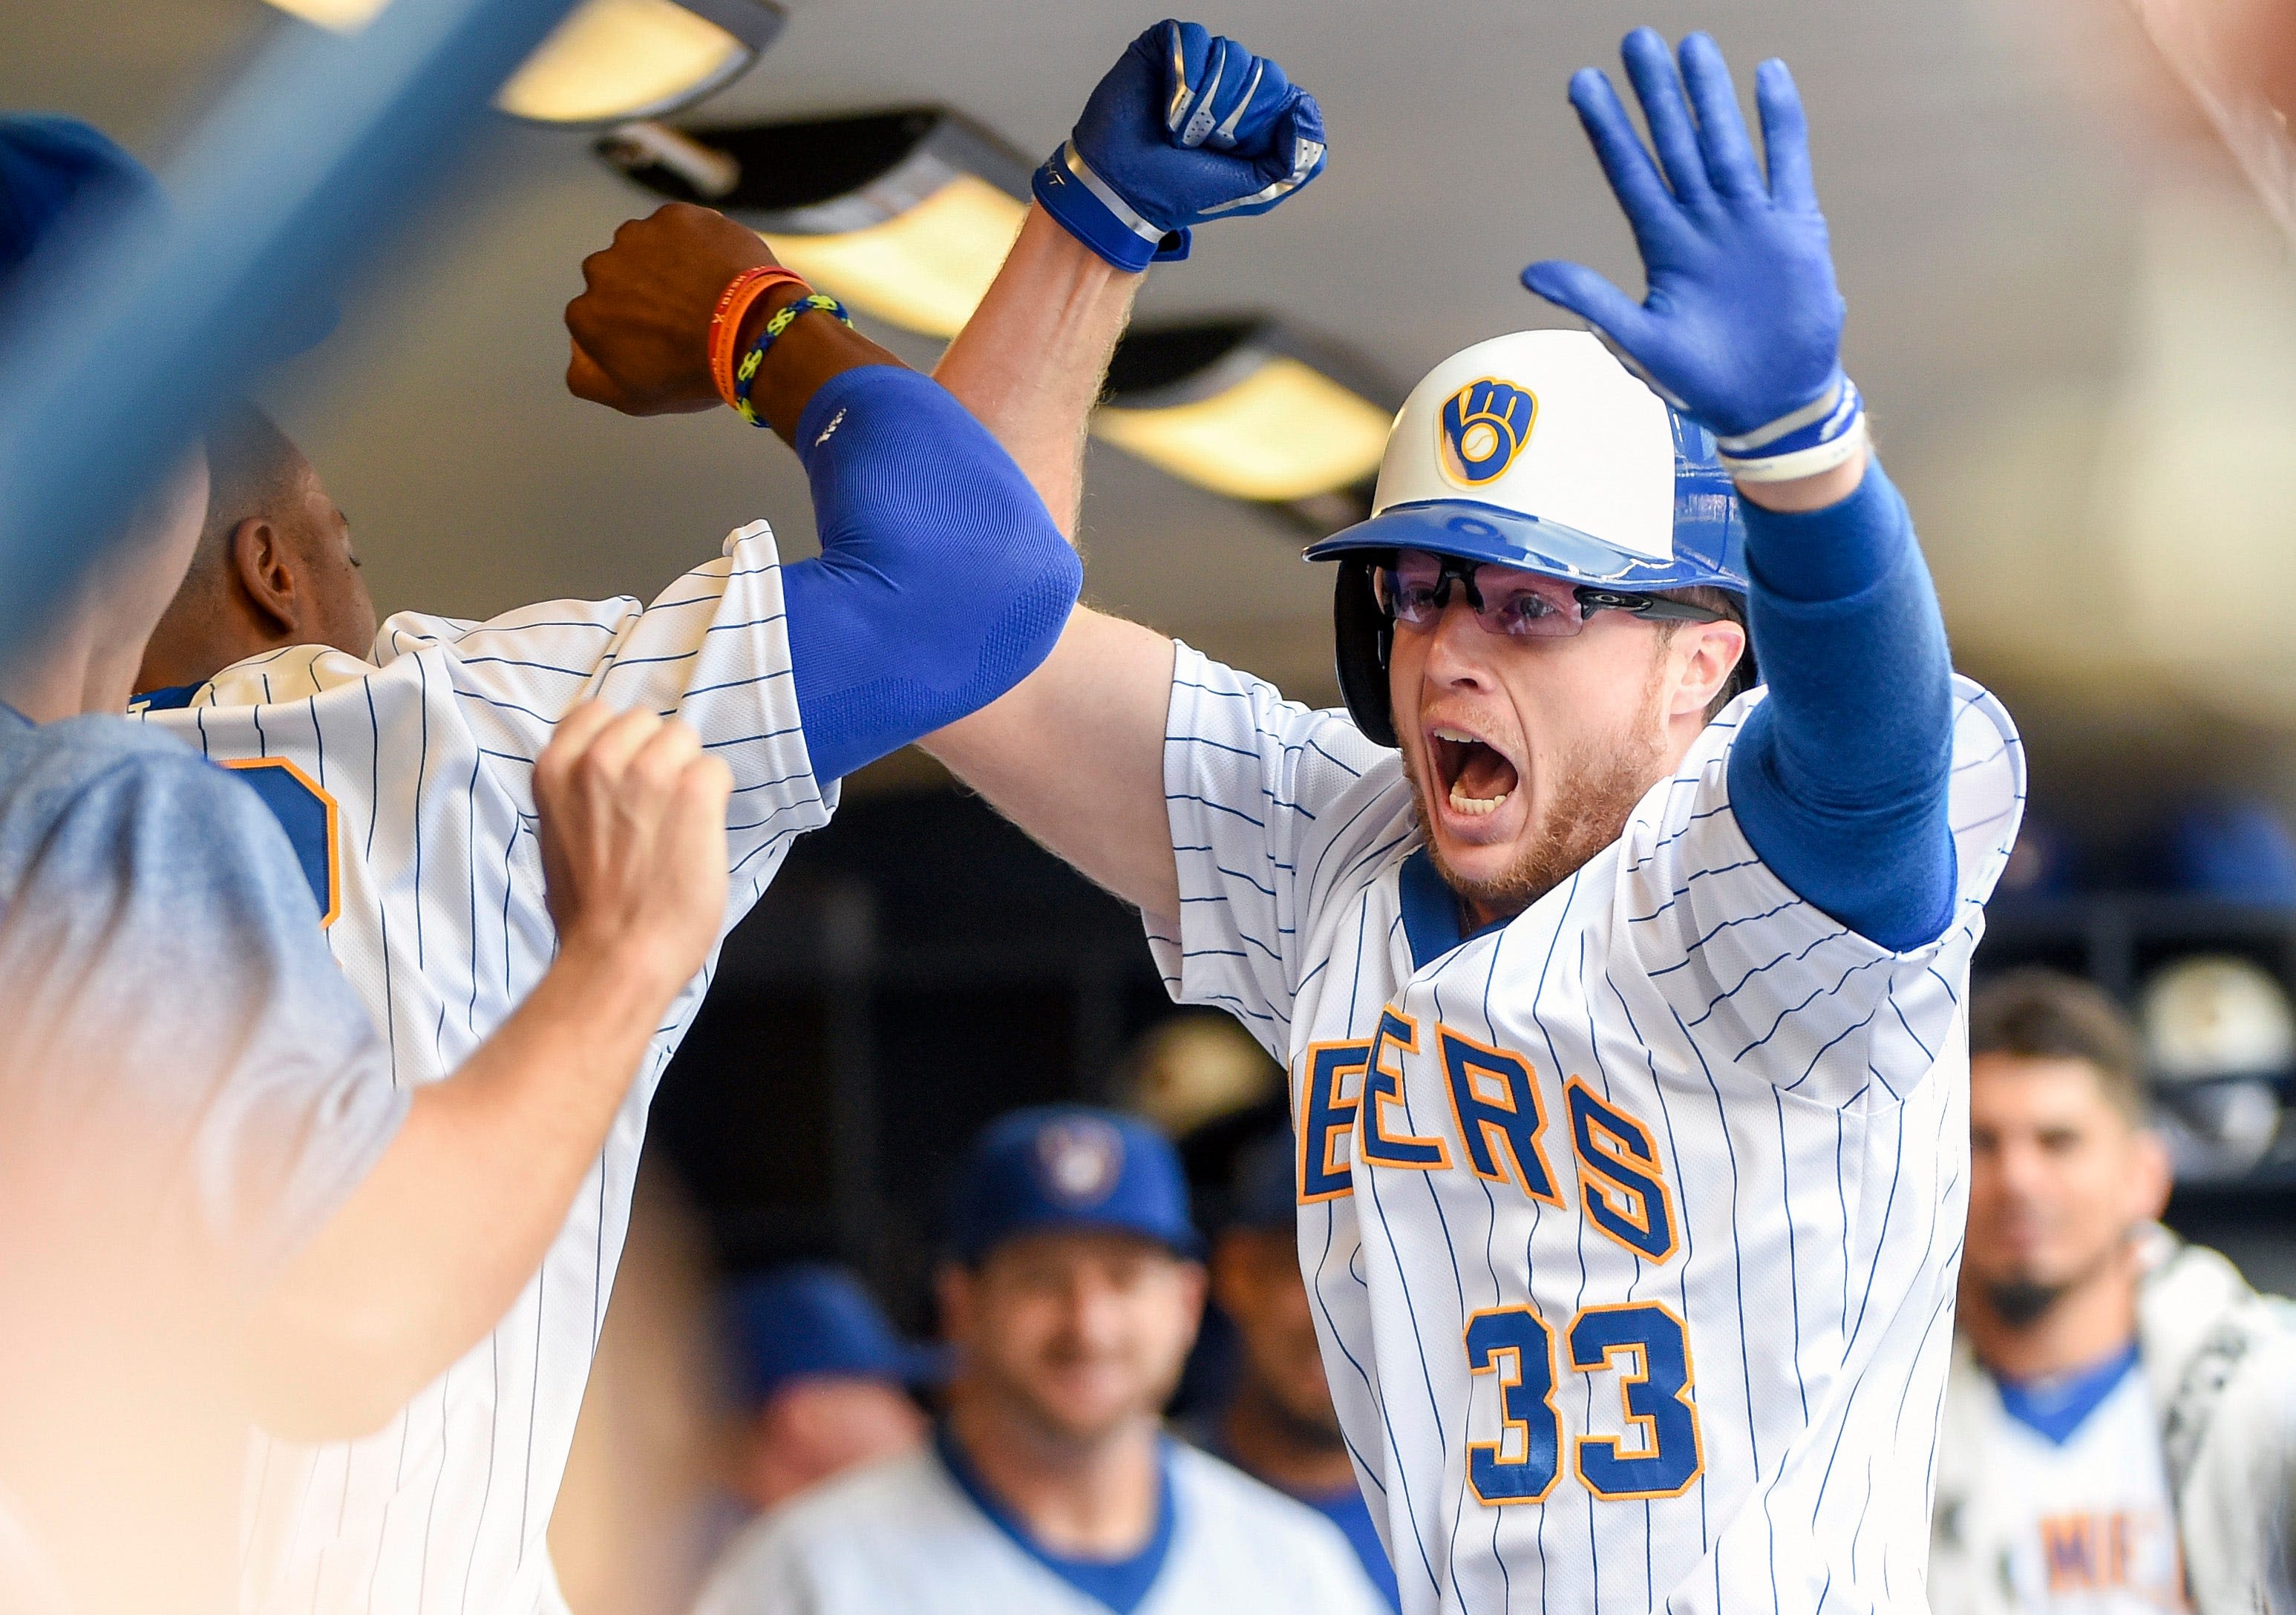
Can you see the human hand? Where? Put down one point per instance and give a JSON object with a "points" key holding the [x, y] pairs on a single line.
{"points": [[1741, 327], [641, 327], [633, 831], [1187, 126]]}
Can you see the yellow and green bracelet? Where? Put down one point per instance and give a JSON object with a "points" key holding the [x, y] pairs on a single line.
{"points": [[747, 370]]}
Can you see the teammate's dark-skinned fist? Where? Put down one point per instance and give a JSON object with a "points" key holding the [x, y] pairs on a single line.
{"points": [[641, 327]]}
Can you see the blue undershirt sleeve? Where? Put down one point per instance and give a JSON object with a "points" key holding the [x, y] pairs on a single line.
{"points": [[941, 582], [1840, 777]]}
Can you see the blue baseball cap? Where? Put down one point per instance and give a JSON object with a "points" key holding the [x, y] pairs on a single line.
{"points": [[48, 165], [811, 1320], [51, 165], [1055, 1169]]}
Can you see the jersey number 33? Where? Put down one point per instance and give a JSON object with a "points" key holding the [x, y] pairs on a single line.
{"points": [[1352, 1098]]}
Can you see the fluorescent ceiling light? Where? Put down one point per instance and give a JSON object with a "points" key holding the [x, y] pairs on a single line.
{"points": [[1246, 409], [612, 61], [906, 216]]}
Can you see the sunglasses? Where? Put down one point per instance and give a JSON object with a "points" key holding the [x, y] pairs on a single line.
{"points": [[1415, 587]]}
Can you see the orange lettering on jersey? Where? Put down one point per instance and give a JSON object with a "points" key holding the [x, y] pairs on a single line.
{"points": [[1399, 1035], [1495, 1099], [2068, 1553], [2104, 1551]]}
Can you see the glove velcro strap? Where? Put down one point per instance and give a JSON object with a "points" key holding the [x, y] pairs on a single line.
{"points": [[1090, 208], [1823, 433]]}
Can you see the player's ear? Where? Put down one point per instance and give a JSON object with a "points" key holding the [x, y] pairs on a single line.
{"points": [[1706, 653], [262, 571], [1196, 1282], [2151, 1177]]}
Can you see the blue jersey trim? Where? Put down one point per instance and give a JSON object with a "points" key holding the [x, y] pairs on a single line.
{"points": [[172, 699], [1430, 911], [1121, 1585], [2054, 1409]]}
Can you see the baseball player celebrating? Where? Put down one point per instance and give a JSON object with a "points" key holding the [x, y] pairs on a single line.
{"points": [[1622, 1008], [403, 779]]}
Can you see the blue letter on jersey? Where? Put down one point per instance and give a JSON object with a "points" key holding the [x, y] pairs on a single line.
{"points": [[1399, 1035], [307, 815], [1654, 1385], [1515, 1344], [1327, 1116], [1619, 1175], [1500, 1128]]}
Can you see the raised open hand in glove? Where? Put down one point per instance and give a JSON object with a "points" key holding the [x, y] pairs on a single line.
{"points": [[1741, 325], [1187, 126]]}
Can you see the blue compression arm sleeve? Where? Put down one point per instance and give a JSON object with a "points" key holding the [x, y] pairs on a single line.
{"points": [[942, 581], [1840, 778]]}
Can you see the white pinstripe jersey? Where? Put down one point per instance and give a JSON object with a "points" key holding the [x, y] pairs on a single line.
{"points": [[407, 783], [903, 1537], [1630, 1226]]}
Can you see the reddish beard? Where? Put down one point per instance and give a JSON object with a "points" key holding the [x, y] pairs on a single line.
{"points": [[1598, 787]]}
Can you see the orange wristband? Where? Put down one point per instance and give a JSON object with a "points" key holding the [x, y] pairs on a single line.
{"points": [[734, 306]]}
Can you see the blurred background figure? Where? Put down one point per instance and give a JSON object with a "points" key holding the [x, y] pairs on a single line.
{"points": [[1278, 1424], [2120, 1434], [644, 1509], [1191, 1072], [821, 1383], [1070, 1299], [708, 1406], [1200, 1080]]}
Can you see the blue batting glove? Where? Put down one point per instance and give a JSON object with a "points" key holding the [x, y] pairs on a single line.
{"points": [[1188, 126], [1741, 327]]}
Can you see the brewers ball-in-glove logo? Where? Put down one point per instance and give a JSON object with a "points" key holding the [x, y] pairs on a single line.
{"points": [[1484, 426], [1080, 1159]]}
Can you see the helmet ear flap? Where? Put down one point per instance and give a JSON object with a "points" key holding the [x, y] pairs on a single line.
{"points": [[1363, 637]]}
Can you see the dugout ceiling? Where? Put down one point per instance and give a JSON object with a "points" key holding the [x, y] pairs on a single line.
{"points": [[2073, 330]]}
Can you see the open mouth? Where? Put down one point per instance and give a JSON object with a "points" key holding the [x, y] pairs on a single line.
{"points": [[1477, 779]]}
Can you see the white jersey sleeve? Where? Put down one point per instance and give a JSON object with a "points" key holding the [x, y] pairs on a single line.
{"points": [[712, 649], [1758, 976], [1272, 807]]}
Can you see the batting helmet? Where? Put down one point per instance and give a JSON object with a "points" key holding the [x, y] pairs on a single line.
{"points": [[1536, 450]]}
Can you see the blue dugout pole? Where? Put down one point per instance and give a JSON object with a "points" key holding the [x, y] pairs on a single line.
{"points": [[126, 337]]}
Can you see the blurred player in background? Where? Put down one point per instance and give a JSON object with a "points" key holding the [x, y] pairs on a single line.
{"points": [[821, 1383], [400, 762], [1071, 1301], [2120, 1433], [1278, 1424], [218, 1205]]}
